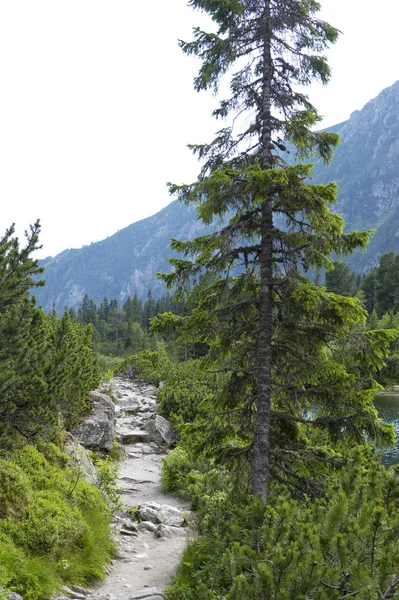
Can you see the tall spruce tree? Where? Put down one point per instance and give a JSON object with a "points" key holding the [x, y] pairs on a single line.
{"points": [[264, 321]]}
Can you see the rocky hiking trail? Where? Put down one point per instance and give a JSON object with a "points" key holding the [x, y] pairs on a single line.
{"points": [[150, 548]]}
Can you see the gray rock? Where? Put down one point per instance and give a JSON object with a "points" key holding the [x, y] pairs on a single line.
{"points": [[72, 594], [98, 431], [129, 525], [81, 590], [147, 526], [174, 522], [132, 436], [146, 513], [147, 593], [14, 596], [161, 431], [141, 555], [155, 597], [127, 532], [168, 515], [135, 454], [152, 504], [166, 531], [80, 459]]}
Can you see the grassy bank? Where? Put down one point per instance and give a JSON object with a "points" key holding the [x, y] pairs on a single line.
{"points": [[54, 527]]}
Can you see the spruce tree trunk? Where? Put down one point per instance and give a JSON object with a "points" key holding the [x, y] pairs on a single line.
{"points": [[261, 450]]}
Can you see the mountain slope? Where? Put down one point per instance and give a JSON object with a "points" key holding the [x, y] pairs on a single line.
{"points": [[121, 265], [365, 166]]}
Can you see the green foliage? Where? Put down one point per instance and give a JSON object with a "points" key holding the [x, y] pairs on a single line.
{"points": [[122, 331], [48, 526], [381, 286], [107, 475], [49, 517], [73, 371], [341, 544], [107, 363], [32, 575], [151, 365], [54, 528], [188, 392], [194, 478], [341, 280], [47, 366], [388, 374], [14, 490]]}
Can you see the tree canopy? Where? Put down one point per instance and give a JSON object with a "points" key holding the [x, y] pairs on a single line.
{"points": [[47, 366]]}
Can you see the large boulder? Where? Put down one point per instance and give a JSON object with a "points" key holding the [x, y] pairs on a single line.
{"points": [[160, 514], [98, 430], [161, 431]]}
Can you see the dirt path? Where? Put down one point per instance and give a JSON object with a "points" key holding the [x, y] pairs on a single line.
{"points": [[149, 550]]}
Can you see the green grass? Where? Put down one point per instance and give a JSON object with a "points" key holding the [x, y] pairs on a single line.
{"points": [[53, 530]]}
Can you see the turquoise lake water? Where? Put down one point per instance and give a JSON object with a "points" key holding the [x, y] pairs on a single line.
{"points": [[388, 409]]}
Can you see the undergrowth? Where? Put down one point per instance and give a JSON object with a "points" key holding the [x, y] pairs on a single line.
{"points": [[54, 527], [342, 544]]}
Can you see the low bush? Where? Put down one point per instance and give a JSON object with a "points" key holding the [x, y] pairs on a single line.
{"points": [[54, 527], [340, 545]]}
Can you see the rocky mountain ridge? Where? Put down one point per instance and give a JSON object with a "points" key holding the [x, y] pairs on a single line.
{"points": [[365, 166]]}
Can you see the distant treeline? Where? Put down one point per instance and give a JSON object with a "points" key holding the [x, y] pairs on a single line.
{"points": [[378, 290], [123, 329]]}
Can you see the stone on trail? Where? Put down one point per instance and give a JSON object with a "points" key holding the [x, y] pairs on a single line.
{"points": [[168, 515], [127, 532], [146, 513], [166, 531], [132, 436], [81, 590], [160, 513], [14, 596], [152, 504], [98, 431], [174, 522], [147, 593], [156, 597], [147, 526], [161, 431], [72, 593], [129, 525]]}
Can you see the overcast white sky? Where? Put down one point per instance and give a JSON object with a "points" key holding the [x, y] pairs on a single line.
{"points": [[97, 105]]}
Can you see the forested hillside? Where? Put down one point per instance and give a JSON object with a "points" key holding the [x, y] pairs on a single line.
{"points": [[120, 266]]}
